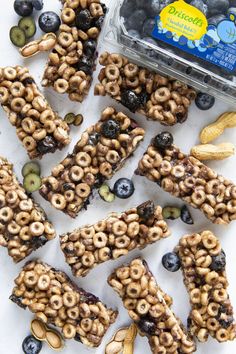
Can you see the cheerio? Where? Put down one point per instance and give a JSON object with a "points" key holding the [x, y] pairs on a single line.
{"points": [[193, 40]]}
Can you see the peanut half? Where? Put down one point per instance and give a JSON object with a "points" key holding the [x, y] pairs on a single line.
{"points": [[213, 152], [45, 43], [214, 130], [122, 341]]}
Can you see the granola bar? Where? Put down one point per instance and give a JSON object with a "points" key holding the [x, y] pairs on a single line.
{"points": [[187, 178], [101, 151], [116, 236], [72, 62], [159, 98], [23, 224], [38, 127], [56, 300], [150, 308], [203, 265]]}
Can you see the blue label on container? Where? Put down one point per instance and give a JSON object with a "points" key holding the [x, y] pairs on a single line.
{"points": [[217, 45]]}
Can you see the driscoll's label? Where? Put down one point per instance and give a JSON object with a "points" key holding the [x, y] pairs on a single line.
{"points": [[187, 28]]}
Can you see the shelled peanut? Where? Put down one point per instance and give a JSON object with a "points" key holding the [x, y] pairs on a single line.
{"points": [[214, 130]]}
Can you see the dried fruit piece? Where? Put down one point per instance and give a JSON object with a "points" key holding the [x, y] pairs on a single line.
{"points": [[32, 183], [31, 167], [171, 213], [214, 130], [17, 36], [27, 24], [106, 194], [213, 152]]}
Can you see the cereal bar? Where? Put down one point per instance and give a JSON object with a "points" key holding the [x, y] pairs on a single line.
{"points": [[187, 178], [203, 265], [72, 62], [38, 127], [23, 224], [158, 97], [116, 236], [150, 308], [55, 299], [101, 151]]}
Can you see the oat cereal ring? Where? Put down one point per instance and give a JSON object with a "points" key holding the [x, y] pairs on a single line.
{"points": [[133, 290], [83, 190], [104, 254], [61, 85], [131, 70], [136, 272], [24, 233], [68, 15], [36, 228], [4, 95], [43, 282], [155, 233], [76, 173], [58, 201], [30, 278], [112, 88], [88, 259], [17, 89], [100, 239], [17, 104], [122, 242], [69, 299], [65, 39], [69, 331], [119, 228], [9, 73], [105, 169], [56, 302], [112, 72], [112, 156], [83, 159], [28, 125]]}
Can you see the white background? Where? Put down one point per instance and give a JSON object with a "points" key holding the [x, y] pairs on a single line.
{"points": [[15, 322]]}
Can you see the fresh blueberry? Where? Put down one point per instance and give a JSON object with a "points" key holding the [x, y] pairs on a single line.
{"points": [[146, 210], [89, 47], [215, 20], [217, 7], [133, 33], [127, 8], [23, 7], [218, 262], [130, 100], [136, 20], [148, 26], [123, 188], [149, 40], [49, 21], [48, 144], [153, 7], [200, 5], [85, 64], [186, 216], [204, 101], [83, 20], [163, 140], [37, 4], [31, 345], [147, 326], [171, 262], [110, 129]]}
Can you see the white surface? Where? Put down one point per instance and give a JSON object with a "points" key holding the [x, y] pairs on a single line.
{"points": [[14, 322]]}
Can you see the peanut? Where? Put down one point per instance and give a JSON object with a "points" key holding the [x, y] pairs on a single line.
{"points": [[129, 339], [214, 130], [213, 152], [122, 341], [45, 43]]}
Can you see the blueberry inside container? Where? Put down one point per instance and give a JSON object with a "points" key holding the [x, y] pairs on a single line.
{"points": [[192, 40]]}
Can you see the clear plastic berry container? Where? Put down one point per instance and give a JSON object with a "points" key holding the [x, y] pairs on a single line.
{"points": [[193, 40]]}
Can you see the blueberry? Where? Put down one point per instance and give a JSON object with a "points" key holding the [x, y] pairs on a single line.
{"points": [[147, 326], [226, 323], [146, 210], [148, 26], [49, 21], [186, 216], [23, 7], [215, 20], [204, 101], [31, 345], [93, 139], [171, 262], [123, 188], [37, 4], [110, 129], [136, 20], [89, 47], [133, 33], [200, 5], [163, 140], [218, 262], [217, 7], [127, 8], [83, 20], [98, 22], [85, 64], [130, 100], [48, 144]]}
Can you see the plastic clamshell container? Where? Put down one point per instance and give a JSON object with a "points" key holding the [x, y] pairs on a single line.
{"points": [[132, 24]]}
